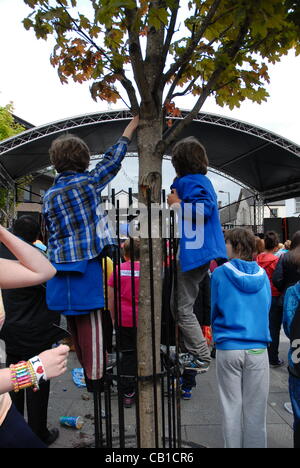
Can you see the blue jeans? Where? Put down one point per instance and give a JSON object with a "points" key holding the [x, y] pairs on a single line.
{"points": [[294, 386], [189, 379]]}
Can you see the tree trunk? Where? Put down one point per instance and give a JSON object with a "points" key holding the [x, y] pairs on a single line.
{"points": [[149, 329]]}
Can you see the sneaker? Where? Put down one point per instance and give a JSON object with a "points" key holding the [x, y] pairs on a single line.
{"points": [[189, 361], [279, 363], [186, 393], [128, 400]]}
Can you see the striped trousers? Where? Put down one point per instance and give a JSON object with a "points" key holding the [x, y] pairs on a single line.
{"points": [[87, 336]]}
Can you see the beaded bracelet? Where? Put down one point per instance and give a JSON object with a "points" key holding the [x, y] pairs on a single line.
{"points": [[22, 377], [33, 377]]}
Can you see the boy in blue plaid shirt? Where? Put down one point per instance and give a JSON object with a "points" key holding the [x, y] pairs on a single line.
{"points": [[78, 236]]}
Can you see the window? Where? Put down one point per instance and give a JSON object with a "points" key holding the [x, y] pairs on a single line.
{"points": [[274, 212], [297, 205], [27, 193]]}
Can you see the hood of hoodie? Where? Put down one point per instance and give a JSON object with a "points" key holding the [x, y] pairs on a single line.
{"points": [[249, 277], [267, 259]]}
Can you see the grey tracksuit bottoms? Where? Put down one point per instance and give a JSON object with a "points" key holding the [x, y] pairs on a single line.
{"points": [[243, 382]]}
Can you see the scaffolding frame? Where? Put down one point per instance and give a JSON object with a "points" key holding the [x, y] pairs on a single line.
{"points": [[90, 119], [96, 117], [7, 214]]}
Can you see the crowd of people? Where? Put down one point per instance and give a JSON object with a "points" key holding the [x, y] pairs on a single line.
{"points": [[240, 287]]}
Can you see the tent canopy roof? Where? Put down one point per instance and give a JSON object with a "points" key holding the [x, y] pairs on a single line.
{"points": [[264, 162]]}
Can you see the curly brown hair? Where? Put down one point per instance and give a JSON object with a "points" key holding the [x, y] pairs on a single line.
{"points": [[189, 157], [69, 153]]}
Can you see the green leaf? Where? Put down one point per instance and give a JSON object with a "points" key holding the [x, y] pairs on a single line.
{"points": [[84, 22], [158, 17], [28, 23]]}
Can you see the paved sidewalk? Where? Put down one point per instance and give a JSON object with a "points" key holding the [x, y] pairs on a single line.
{"points": [[201, 422]]}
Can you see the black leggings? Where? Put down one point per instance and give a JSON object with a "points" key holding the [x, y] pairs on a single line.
{"points": [[15, 432]]}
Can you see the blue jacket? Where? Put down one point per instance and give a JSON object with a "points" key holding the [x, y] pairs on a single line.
{"points": [[201, 240], [291, 325], [240, 304], [77, 287]]}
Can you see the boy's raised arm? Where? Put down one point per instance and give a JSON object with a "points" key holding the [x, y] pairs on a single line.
{"points": [[110, 164], [131, 127]]}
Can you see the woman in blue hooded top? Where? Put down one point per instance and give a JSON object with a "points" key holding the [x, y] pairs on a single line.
{"points": [[201, 240], [240, 304]]}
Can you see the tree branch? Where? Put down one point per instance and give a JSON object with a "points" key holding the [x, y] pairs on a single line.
{"points": [[222, 34], [136, 57], [170, 94], [227, 83], [232, 50], [174, 84], [190, 49], [172, 134], [227, 12], [170, 33], [187, 89], [129, 88], [154, 50], [84, 35], [126, 83]]}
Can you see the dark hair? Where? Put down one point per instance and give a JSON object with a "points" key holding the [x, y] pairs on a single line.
{"points": [[189, 157], [294, 252], [27, 228], [69, 153], [271, 240], [136, 249], [242, 242], [295, 240]]}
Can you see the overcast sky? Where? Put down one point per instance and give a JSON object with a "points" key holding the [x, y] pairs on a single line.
{"points": [[31, 83]]}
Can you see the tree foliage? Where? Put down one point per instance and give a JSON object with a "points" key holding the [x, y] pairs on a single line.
{"points": [[158, 50], [8, 128]]}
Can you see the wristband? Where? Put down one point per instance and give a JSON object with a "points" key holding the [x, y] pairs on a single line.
{"points": [[38, 369]]}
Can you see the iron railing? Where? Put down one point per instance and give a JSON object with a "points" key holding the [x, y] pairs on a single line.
{"points": [[115, 425]]}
